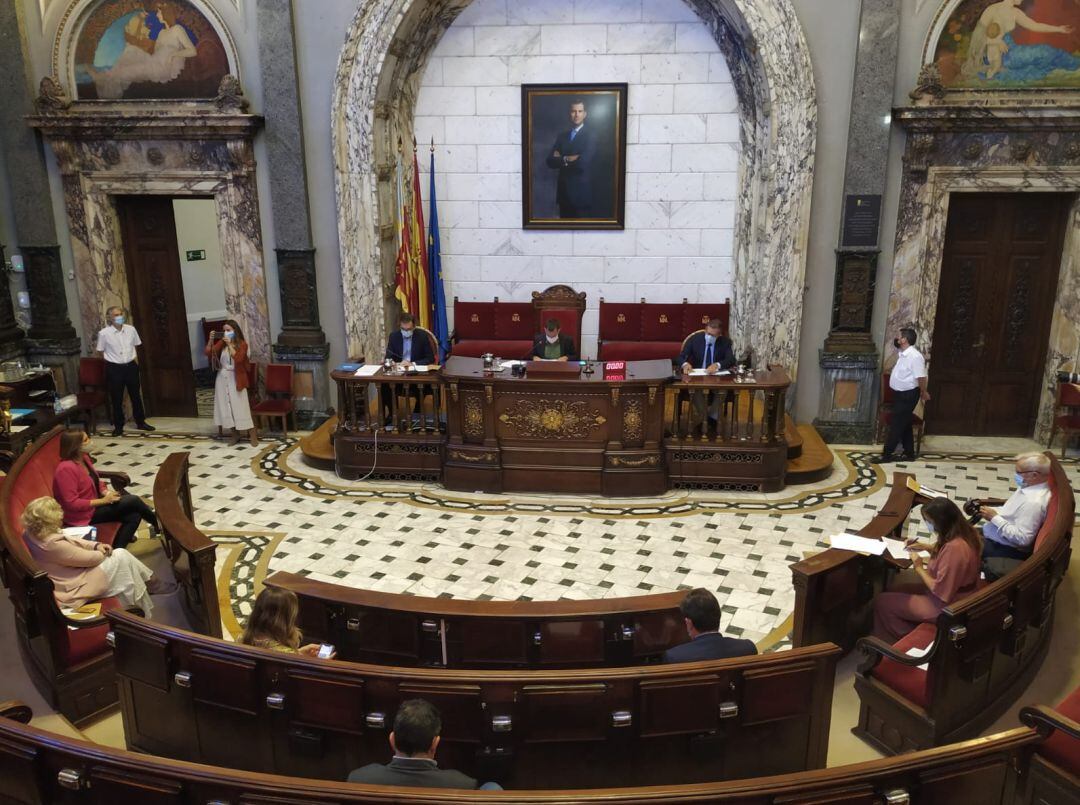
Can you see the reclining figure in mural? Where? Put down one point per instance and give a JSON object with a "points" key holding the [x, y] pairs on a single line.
{"points": [[145, 58], [988, 40]]}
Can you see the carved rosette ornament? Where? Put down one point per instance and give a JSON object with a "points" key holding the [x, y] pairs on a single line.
{"points": [[473, 418], [633, 420], [553, 419]]}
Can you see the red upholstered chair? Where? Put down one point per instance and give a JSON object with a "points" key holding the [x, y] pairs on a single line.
{"points": [[563, 303], [68, 659], [91, 394], [696, 316], [253, 383], [1066, 414], [884, 416], [1063, 746], [278, 381]]}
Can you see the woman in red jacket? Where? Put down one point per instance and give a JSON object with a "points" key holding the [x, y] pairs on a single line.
{"points": [[83, 495], [231, 407]]}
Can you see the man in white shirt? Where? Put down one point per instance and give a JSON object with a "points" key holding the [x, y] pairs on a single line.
{"points": [[908, 383], [116, 342], [1009, 532]]}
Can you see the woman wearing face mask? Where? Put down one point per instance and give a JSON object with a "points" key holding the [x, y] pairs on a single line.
{"points": [[952, 573], [229, 357], [84, 497]]}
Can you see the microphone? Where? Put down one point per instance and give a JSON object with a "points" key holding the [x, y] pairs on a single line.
{"points": [[1068, 377], [538, 340]]}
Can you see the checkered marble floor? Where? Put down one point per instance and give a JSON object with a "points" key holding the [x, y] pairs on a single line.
{"points": [[267, 509]]}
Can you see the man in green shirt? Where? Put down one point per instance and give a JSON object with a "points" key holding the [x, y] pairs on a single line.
{"points": [[551, 345]]}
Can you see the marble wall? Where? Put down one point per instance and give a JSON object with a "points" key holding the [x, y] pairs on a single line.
{"points": [[984, 149], [176, 151], [682, 153], [384, 58]]}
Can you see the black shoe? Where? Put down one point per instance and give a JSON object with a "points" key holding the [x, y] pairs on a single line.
{"points": [[889, 459], [118, 432], [906, 457], [145, 426]]}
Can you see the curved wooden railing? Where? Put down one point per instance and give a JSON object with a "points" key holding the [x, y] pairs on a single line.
{"points": [[38, 766], [190, 696], [191, 552], [377, 627]]}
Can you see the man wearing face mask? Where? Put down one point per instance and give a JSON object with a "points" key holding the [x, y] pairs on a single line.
{"points": [[551, 345], [116, 342], [908, 383], [409, 348], [711, 351], [1009, 532]]}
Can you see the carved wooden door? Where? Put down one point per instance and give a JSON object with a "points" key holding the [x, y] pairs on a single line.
{"points": [[999, 273], [157, 304]]}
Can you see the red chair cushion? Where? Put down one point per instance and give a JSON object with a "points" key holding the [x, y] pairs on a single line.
{"points": [[1070, 394], [474, 319], [277, 379], [510, 350], [1067, 422], [910, 682], [662, 323], [569, 323], [272, 407], [514, 321], [1060, 748], [695, 317], [1051, 513], [639, 350], [91, 371], [91, 399], [620, 321], [34, 481], [86, 644]]}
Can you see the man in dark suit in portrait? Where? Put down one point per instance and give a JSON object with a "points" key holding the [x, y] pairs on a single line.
{"points": [[552, 345], [712, 352], [414, 740], [573, 155], [701, 612], [409, 348]]}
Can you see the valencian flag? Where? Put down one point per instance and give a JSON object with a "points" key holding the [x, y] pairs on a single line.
{"points": [[418, 253], [441, 328], [402, 286]]}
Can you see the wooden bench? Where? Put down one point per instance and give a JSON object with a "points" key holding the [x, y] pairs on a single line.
{"points": [[386, 628], [834, 588], [191, 552], [985, 649], [192, 697], [67, 658], [1055, 770], [42, 767], [641, 331]]}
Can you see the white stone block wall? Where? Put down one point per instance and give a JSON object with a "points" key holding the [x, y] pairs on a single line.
{"points": [[682, 151]]}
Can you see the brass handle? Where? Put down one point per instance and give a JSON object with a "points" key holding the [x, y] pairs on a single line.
{"points": [[980, 343]]}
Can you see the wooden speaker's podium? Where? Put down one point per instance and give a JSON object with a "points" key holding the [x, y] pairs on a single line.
{"points": [[553, 370]]}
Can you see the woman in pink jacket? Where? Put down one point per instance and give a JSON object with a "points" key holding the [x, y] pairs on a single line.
{"points": [[953, 572], [83, 496], [81, 570]]}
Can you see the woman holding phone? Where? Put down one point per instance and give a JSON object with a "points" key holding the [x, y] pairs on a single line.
{"points": [[229, 356], [272, 625]]}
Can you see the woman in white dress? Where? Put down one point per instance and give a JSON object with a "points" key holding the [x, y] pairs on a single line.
{"points": [[82, 570], [230, 357], [144, 59]]}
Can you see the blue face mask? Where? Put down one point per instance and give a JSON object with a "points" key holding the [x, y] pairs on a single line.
{"points": [[118, 321], [406, 333], [930, 527], [1019, 479], [228, 335]]}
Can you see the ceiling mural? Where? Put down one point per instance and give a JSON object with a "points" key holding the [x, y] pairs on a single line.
{"points": [[148, 49], [1008, 44]]}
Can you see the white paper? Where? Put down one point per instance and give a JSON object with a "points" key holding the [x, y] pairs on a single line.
{"points": [[77, 531], [705, 373], [18, 428], [511, 364], [895, 547], [853, 542], [420, 368], [931, 493], [920, 652], [367, 370]]}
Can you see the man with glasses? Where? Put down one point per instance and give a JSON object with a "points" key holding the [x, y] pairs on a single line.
{"points": [[1009, 532]]}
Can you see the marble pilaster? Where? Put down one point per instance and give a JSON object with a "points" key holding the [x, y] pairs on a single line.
{"points": [[985, 148], [384, 55]]}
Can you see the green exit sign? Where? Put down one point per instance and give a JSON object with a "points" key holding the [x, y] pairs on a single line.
{"points": [[196, 254]]}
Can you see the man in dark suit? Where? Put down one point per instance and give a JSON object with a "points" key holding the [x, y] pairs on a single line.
{"points": [[552, 345], [409, 348], [414, 741], [573, 155], [712, 352], [701, 612]]}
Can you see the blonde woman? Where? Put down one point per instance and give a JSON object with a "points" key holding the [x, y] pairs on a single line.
{"points": [[81, 570], [272, 624]]}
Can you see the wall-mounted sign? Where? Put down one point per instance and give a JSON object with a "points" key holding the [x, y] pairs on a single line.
{"points": [[861, 217], [195, 254]]}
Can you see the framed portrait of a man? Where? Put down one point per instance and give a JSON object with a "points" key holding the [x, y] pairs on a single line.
{"points": [[573, 156]]}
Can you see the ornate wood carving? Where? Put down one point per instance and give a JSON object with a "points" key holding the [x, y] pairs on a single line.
{"points": [[963, 312], [1016, 315], [299, 298], [633, 420], [641, 461], [48, 302], [473, 416], [549, 418], [473, 458]]}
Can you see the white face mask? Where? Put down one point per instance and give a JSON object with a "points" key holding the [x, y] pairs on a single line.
{"points": [[118, 321], [553, 339], [228, 335]]}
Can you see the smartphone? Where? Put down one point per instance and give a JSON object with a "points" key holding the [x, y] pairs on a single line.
{"points": [[325, 651]]}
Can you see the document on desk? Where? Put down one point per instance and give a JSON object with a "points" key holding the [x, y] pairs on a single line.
{"points": [[915, 486], [898, 549], [367, 370], [853, 542], [419, 368], [704, 373]]}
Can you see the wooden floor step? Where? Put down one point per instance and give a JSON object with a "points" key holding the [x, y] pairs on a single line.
{"points": [[794, 438], [317, 447], [815, 460]]}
